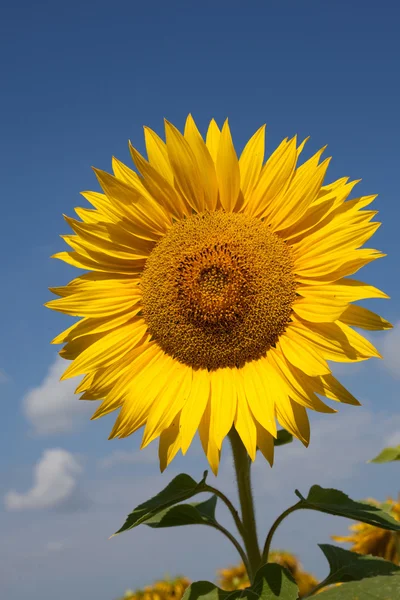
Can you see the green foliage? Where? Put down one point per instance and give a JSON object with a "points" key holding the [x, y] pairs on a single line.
{"points": [[334, 502], [179, 489], [198, 513], [283, 437], [386, 587], [349, 566], [271, 581], [387, 455]]}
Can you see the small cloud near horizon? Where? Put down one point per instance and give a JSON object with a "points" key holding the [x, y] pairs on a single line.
{"points": [[53, 407], [55, 485]]}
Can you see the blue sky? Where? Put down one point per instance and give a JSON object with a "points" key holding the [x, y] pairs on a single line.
{"points": [[78, 81]]}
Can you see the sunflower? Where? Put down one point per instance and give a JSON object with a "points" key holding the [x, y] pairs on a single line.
{"points": [[216, 291], [160, 590], [236, 578], [367, 539]]}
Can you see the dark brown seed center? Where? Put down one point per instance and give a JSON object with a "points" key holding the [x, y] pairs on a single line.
{"points": [[218, 290]]}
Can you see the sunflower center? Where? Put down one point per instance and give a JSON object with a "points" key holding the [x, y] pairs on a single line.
{"points": [[218, 290]]}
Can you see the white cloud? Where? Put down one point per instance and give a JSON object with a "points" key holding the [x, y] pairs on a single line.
{"points": [[147, 456], [52, 407], [391, 350], [55, 483], [3, 376]]}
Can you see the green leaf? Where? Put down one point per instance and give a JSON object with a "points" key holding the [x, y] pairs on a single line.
{"points": [[387, 455], [349, 566], [271, 581], [334, 502], [386, 587], [179, 489], [274, 581], [283, 437], [199, 513], [205, 590]]}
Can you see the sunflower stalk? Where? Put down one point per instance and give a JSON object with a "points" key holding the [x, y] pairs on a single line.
{"points": [[242, 463], [267, 545]]}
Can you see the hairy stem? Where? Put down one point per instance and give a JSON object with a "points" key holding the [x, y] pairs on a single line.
{"points": [[230, 506], [249, 532], [267, 545]]}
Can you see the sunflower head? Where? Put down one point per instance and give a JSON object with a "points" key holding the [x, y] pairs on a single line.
{"points": [[160, 590], [367, 539], [233, 578], [216, 291]]}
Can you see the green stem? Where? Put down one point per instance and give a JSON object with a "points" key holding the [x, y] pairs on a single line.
{"points": [[230, 506], [249, 533], [267, 545]]}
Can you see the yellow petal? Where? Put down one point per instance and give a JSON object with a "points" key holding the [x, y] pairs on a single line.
{"points": [[334, 242], [274, 178], [227, 169], [343, 290], [115, 240], [109, 347], [265, 442], [301, 354], [212, 139], [139, 392], [144, 359], [101, 255], [294, 419], [318, 308], [159, 187], [210, 448], [332, 268], [103, 206], [251, 161], [72, 349], [194, 407], [223, 404], [302, 191], [357, 316], [88, 325], [205, 163], [157, 154], [169, 402], [299, 386], [300, 147], [169, 443], [99, 302], [106, 378], [258, 385], [245, 424], [185, 168], [143, 211], [87, 279], [90, 216], [127, 175], [82, 262], [115, 212], [329, 386], [335, 341], [319, 214]]}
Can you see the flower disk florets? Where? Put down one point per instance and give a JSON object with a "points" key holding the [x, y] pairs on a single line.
{"points": [[218, 290]]}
